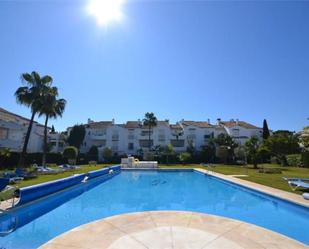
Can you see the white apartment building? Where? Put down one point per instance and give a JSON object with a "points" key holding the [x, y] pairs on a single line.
{"points": [[131, 137], [13, 129]]}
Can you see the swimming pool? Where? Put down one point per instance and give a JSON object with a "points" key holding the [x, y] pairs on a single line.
{"points": [[132, 191]]}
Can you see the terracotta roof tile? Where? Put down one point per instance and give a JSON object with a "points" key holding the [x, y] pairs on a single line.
{"points": [[200, 124], [101, 124], [239, 123]]}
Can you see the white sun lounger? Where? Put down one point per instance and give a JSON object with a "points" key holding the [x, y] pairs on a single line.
{"points": [[296, 183]]}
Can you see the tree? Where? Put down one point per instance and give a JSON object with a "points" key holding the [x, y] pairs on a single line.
{"points": [[190, 147], [208, 152], [254, 150], [93, 153], [52, 129], [304, 138], [50, 107], [168, 151], [184, 157], [150, 121], [266, 132], [77, 136], [226, 147], [107, 154], [70, 153], [4, 154], [29, 95], [282, 143]]}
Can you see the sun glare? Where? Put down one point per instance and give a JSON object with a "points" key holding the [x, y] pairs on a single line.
{"points": [[105, 11]]}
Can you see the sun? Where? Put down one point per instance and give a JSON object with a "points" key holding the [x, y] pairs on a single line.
{"points": [[105, 11]]}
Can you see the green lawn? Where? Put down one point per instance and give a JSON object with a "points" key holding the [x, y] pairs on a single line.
{"points": [[45, 178], [271, 180]]}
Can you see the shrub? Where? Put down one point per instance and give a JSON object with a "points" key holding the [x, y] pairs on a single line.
{"points": [[93, 153], [222, 153], [70, 153], [107, 154], [305, 159], [294, 160], [184, 157], [274, 160], [31, 158]]}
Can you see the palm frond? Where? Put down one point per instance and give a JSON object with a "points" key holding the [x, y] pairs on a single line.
{"points": [[47, 79]]}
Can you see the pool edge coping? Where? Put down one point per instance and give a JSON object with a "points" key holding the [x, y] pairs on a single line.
{"points": [[274, 192]]}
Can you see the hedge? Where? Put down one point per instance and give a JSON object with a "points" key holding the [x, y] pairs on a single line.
{"points": [[31, 158], [305, 159]]}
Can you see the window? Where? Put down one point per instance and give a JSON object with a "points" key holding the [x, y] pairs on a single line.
{"points": [[4, 133], [191, 137], [177, 143], [145, 143], [114, 148], [236, 132], [146, 133], [161, 137], [130, 146], [115, 137], [131, 136]]}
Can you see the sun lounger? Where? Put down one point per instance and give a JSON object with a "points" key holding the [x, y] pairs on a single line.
{"points": [[4, 182], [12, 177], [24, 174], [296, 183]]}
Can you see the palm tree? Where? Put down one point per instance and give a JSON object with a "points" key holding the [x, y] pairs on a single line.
{"points": [[29, 96], [150, 121], [50, 107]]}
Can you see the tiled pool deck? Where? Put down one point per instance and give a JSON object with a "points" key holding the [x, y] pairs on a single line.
{"points": [[170, 230]]}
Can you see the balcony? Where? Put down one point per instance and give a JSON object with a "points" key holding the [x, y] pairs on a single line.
{"points": [[98, 136]]}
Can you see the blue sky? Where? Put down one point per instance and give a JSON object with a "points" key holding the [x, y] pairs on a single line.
{"points": [[179, 59]]}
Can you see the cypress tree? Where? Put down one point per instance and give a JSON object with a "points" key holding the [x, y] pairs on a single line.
{"points": [[266, 132]]}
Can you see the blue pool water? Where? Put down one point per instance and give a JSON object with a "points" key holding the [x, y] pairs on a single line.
{"points": [[152, 190]]}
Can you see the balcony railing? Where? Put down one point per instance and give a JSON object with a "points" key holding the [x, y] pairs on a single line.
{"points": [[98, 136]]}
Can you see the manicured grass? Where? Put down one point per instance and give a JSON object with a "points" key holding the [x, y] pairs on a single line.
{"points": [[271, 180], [45, 178]]}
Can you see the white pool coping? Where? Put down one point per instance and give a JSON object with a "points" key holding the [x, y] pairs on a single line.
{"points": [[170, 230]]}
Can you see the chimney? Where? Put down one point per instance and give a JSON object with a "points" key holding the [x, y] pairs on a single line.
{"points": [[218, 121], [113, 121], [208, 121]]}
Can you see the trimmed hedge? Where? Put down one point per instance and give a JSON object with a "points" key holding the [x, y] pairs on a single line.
{"points": [[305, 159], [294, 160], [31, 158]]}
